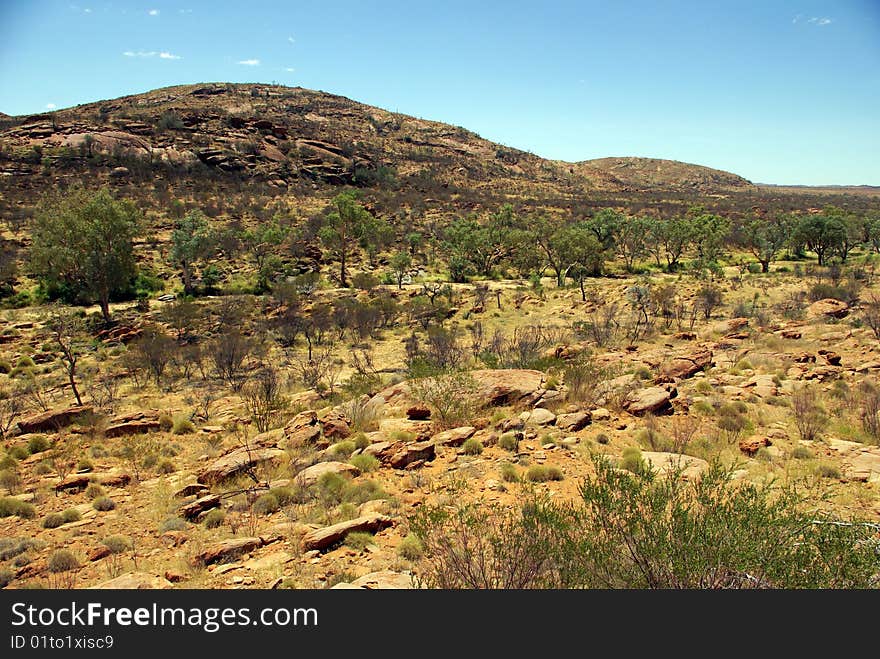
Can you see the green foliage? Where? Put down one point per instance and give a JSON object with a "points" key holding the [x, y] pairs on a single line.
{"points": [[346, 224], [82, 246], [214, 518], [365, 462], [543, 473], [118, 544], [648, 531], [451, 397], [266, 504], [38, 444], [52, 521], [10, 506], [71, 515], [191, 242], [823, 234], [508, 441], [410, 548], [173, 524], [359, 540], [472, 447], [103, 504], [509, 473], [182, 425], [62, 560]]}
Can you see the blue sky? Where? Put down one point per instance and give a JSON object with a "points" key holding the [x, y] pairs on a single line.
{"points": [[777, 91]]}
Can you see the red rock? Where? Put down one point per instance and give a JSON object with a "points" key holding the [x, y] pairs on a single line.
{"points": [[54, 420]]}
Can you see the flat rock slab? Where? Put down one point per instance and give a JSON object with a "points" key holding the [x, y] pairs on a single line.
{"points": [[192, 510], [454, 437], [652, 399], [132, 428], [135, 581], [54, 420], [573, 422], [538, 417], [236, 462], [227, 550], [311, 475], [408, 454], [669, 462], [321, 539], [685, 366], [382, 580]]}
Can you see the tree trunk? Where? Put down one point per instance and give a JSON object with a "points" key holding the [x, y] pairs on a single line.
{"points": [[105, 308], [73, 387], [342, 281], [765, 266]]}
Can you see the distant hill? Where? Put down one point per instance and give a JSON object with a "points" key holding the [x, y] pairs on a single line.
{"points": [[652, 173]]}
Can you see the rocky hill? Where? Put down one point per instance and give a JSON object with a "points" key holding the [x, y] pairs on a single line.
{"points": [[280, 134]]}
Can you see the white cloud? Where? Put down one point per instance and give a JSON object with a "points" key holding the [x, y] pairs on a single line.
{"points": [[819, 20], [51, 106], [823, 21], [87, 10], [250, 62], [290, 69], [291, 40], [151, 53], [184, 11], [153, 12]]}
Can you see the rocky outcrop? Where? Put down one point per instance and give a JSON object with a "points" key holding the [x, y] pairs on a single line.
{"points": [[685, 366], [191, 511], [54, 420], [326, 537], [382, 580], [751, 445], [406, 455], [311, 475], [133, 424], [454, 437], [573, 422], [227, 550], [134, 581], [236, 462], [828, 308], [664, 463], [654, 400]]}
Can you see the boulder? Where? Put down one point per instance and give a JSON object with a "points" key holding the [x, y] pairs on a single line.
{"points": [[311, 475], [573, 422], [328, 536], [685, 366], [828, 308], [654, 400], [418, 413], [382, 580], [191, 511], [454, 437], [227, 550], [134, 581], [236, 462], [407, 454], [132, 428], [751, 445], [538, 417], [494, 387], [667, 462], [54, 420]]}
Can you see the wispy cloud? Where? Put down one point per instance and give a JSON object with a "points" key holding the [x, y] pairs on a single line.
{"points": [[819, 21], [184, 11], [289, 69], [291, 40], [153, 12], [250, 62], [51, 106], [151, 53]]}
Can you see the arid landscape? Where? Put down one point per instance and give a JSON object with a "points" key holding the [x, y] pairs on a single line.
{"points": [[256, 336]]}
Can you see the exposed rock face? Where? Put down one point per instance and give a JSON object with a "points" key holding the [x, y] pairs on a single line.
{"points": [[227, 550], [405, 455], [321, 539], [652, 399], [666, 462], [539, 417], [454, 437], [133, 424], [383, 580], [751, 445], [192, 510], [134, 581], [311, 475], [828, 307], [685, 366], [236, 462], [573, 422], [494, 387], [53, 420]]}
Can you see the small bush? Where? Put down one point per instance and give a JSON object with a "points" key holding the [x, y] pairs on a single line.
{"points": [[62, 560], [166, 467], [365, 462], [508, 441], [173, 524], [284, 495], [93, 491], [410, 548], [118, 544], [166, 422], [182, 425], [103, 504], [19, 452], [10, 480], [85, 465], [802, 453], [631, 460], [543, 473], [602, 438], [71, 515], [361, 441], [472, 447], [266, 504], [52, 521], [38, 444], [8, 462], [6, 577], [826, 470], [342, 449], [214, 519], [359, 540], [509, 473], [10, 506]]}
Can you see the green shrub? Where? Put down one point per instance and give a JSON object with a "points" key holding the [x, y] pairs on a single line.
{"points": [[602, 438], [508, 441], [62, 560], [38, 444], [166, 467], [118, 544], [166, 422], [10, 480], [6, 577], [71, 515], [266, 504], [631, 460], [8, 462], [508, 473], [5, 367], [410, 548], [826, 470], [365, 462], [25, 362], [173, 524], [472, 447], [52, 521], [182, 425], [10, 506], [802, 453], [93, 491], [342, 449], [214, 518], [103, 504], [284, 495], [85, 465], [359, 540], [361, 441], [543, 473], [12, 547], [19, 452]]}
